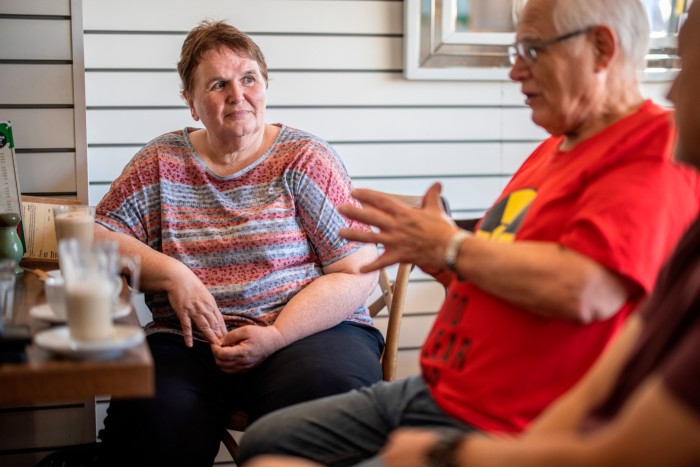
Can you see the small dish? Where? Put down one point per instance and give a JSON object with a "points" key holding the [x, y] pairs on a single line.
{"points": [[57, 340], [45, 313]]}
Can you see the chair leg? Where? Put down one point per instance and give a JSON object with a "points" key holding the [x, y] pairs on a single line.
{"points": [[231, 445]]}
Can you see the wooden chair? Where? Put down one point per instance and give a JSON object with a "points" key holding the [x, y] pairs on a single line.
{"points": [[393, 297]]}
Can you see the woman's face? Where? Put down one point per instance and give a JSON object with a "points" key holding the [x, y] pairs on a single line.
{"points": [[228, 94]]}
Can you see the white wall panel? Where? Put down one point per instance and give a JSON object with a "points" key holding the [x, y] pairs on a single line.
{"points": [[421, 159], [421, 297], [35, 7], [41, 84], [107, 126], [407, 363], [151, 51], [96, 192], [463, 193], [162, 88], [46, 172], [514, 154], [34, 39], [105, 164], [41, 128], [414, 328], [298, 16]]}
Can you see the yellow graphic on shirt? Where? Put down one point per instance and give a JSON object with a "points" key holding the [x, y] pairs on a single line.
{"points": [[504, 219]]}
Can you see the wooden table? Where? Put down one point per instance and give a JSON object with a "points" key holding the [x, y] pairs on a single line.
{"points": [[46, 378]]}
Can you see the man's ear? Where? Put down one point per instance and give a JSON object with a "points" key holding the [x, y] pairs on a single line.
{"points": [[605, 46], [190, 104]]}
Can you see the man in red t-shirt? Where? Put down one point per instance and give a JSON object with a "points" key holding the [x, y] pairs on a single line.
{"points": [[555, 267]]}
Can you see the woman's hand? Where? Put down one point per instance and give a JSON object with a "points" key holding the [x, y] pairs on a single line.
{"points": [[246, 347], [195, 305]]}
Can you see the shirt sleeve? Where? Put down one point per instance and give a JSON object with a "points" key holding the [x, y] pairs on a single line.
{"points": [[630, 218], [128, 207], [321, 185]]}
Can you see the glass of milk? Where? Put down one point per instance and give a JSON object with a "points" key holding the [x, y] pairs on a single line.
{"points": [[92, 276], [75, 221]]}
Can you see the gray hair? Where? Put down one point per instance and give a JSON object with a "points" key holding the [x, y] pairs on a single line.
{"points": [[627, 19]]}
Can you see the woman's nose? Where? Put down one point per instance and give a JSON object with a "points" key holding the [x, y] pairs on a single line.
{"points": [[236, 92]]}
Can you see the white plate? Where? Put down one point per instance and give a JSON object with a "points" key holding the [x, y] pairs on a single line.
{"points": [[45, 313], [58, 340]]}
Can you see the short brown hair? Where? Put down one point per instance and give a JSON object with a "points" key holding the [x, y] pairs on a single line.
{"points": [[209, 35]]}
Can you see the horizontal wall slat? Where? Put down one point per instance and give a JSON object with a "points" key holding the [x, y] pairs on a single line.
{"points": [[407, 363], [463, 193], [50, 172], [353, 17], [41, 128], [414, 329], [150, 51], [142, 88], [421, 297], [41, 84], [114, 126], [31, 39], [35, 7], [373, 160], [655, 90]]}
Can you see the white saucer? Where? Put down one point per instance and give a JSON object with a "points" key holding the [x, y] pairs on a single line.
{"points": [[58, 340], [45, 312]]}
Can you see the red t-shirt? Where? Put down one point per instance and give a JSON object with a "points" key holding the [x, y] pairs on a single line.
{"points": [[617, 198]]}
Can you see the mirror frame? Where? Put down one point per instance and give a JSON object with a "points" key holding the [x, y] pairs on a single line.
{"points": [[434, 50]]}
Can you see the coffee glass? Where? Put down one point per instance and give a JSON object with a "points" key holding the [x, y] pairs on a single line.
{"points": [[92, 278], [74, 221]]}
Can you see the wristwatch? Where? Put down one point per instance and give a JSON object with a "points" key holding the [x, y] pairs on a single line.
{"points": [[452, 250], [444, 452]]}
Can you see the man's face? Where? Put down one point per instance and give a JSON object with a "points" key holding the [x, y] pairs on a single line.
{"points": [[560, 85], [685, 92]]}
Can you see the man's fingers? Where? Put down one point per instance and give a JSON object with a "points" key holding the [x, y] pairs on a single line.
{"points": [[432, 198]]}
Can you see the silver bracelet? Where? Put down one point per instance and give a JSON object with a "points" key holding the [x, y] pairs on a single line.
{"points": [[452, 250]]}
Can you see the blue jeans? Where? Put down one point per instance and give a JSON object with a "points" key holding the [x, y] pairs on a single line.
{"points": [[348, 428]]}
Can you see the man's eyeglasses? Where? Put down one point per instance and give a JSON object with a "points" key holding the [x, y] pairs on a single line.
{"points": [[528, 50]]}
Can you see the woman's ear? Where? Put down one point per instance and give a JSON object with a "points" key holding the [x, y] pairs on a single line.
{"points": [[190, 104], [605, 46]]}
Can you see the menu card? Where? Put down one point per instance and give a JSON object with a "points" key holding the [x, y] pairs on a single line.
{"points": [[9, 181]]}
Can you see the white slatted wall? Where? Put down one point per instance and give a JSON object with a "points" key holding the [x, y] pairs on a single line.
{"points": [[40, 69], [336, 71]]}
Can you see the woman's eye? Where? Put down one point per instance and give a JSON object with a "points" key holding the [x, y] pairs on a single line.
{"points": [[219, 85], [248, 80]]}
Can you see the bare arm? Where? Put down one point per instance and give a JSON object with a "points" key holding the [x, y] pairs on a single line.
{"points": [[541, 277], [653, 429], [322, 304], [189, 298]]}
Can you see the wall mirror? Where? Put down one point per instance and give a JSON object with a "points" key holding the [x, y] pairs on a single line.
{"points": [[468, 39]]}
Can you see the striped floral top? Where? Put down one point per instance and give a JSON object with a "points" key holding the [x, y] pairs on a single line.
{"points": [[254, 238]]}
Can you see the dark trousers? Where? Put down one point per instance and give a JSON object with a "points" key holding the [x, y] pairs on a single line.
{"points": [[182, 424]]}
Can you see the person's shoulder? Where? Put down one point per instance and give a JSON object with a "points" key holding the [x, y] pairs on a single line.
{"points": [[290, 134], [177, 138]]}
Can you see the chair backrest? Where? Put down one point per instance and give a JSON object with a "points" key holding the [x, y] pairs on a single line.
{"points": [[393, 298]]}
